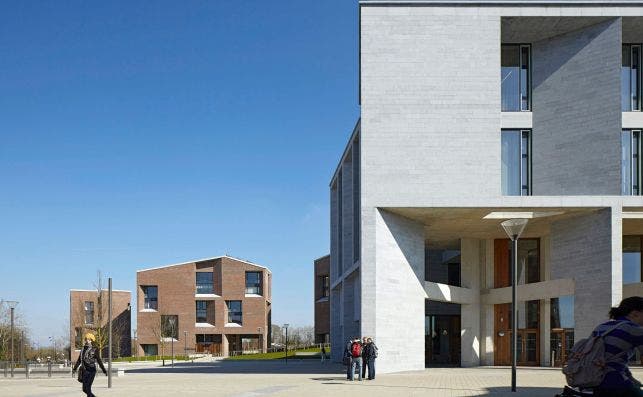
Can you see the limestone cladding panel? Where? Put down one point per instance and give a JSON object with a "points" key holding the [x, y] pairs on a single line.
{"points": [[577, 112], [176, 296], [581, 248], [121, 315]]}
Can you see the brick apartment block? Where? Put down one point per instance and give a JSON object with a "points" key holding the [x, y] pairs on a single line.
{"points": [[219, 305], [87, 313], [322, 299]]}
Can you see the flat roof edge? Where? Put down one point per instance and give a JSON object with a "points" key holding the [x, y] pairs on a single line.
{"points": [[526, 3]]}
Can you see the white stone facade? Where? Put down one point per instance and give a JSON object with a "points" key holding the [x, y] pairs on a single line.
{"points": [[423, 166]]}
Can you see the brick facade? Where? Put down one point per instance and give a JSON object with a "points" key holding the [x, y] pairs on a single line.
{"points": [[81, 322], [322, 300], [177, 296]]}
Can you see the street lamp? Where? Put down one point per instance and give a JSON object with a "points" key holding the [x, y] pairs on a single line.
{"points": [[286, 327], [12, 305], [260, 340], [185, 340], [514, 228], [172, 321]]}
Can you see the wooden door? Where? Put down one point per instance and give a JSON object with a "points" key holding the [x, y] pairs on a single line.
{"points": [[502, 335]]}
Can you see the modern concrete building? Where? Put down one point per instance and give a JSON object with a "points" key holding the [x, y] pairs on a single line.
{"points": [[473, 112], [89, 312], [321, 283], [220, 305]]}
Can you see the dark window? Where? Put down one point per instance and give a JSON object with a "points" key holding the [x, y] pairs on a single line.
{"points": [[443, 266], [204, 283], [150, 350], [235, 313], [89, 312], [516, 162], [324, 282], [201, 311], [151, 297], [515, 78], [562, 312], [253, 283], [631, 78], [170, 326], [204, 338], [631, 259]]}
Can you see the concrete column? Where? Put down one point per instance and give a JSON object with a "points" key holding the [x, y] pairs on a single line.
{"points": [[399, 287], [470, 317], [224, 345], [545, 333], [487, 312]]}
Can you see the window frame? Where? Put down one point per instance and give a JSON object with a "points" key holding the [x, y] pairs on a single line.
{"points": [[528, 77], [209, 291], [325, 286], [231, 313], [254, 289], [147, 300], [525, 187], [87, 312], [635, 90], [634, 158], [204, 310]]}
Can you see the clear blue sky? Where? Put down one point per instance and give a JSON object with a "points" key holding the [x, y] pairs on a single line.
{"points": [[139, 134]]}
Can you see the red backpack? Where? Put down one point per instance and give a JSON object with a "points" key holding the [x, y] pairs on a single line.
{"points": [[356, 350]]}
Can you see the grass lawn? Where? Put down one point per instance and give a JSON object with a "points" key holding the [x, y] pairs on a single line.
{"points": [[278, 355]]}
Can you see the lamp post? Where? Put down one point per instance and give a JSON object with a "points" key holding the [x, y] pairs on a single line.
{"points": [[185, 344], [12, 306], [53, 340], [260, 340], [172, 321], [286, 327], [514, 228]]}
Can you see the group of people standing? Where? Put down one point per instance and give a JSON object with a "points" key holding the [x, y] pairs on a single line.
{"points": [[360, 354]]}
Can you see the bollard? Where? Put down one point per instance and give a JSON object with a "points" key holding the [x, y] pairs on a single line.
{"points": [[49, 369]]}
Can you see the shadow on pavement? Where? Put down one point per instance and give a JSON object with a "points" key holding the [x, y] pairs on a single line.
{"points": [[244, 367]]}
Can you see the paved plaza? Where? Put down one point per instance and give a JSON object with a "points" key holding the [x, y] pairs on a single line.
{"points": [[297, 378]]}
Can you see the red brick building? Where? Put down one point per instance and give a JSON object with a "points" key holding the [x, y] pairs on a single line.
{"points": [[322, 299], [88, 312], [219, 305]]}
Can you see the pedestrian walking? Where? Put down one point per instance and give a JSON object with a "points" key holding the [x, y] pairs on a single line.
{"points": [[323, 354], [86, 364], [356, 359], [371, 355]]}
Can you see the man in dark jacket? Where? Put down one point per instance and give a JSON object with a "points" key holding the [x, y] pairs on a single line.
{"points": [[87, 359], [348, 358], [370, 356]]}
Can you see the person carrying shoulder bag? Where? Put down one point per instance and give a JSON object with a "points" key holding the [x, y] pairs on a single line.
{"points": [[87, 362]]}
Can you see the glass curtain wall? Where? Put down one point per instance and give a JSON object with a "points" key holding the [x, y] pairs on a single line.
{"points": [[631, 78], [515, 78], [516, 162]]}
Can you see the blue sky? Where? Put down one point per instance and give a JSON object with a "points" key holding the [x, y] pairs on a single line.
{"points": [[138, 134]]}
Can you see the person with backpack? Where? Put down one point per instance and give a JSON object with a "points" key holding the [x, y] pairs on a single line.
{"points": [[601, 361], [371, 355], [356, 359], [87, 362]]}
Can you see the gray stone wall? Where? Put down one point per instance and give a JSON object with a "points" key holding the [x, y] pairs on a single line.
{"points": [[577, 113], [581, 248]]}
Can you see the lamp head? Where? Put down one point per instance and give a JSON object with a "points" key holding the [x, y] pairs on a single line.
{"points": [[12, 304], [286, 326], [514, 227]]}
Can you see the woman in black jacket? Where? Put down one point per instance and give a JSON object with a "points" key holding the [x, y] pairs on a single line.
{"points": [[87, 361]]}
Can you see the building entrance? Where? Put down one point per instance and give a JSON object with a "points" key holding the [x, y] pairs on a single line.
{"points": [[442, 340]]}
